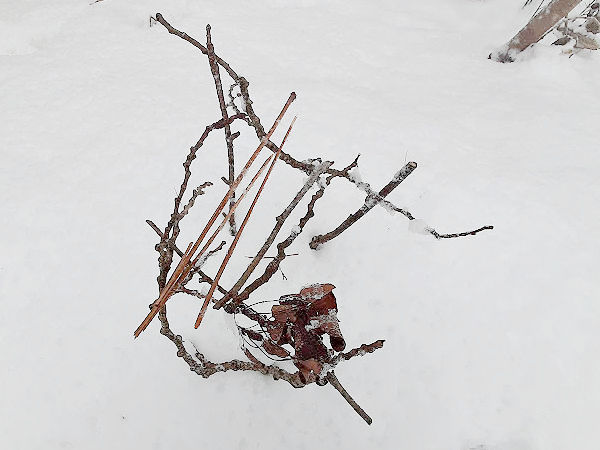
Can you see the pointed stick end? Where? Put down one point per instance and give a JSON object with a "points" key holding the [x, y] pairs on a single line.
{"points": [[199, 319]]}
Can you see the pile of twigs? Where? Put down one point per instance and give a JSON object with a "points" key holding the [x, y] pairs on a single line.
{"points": [[297, 321]]}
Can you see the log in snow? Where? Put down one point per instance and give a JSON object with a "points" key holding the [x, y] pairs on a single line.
{"points": [[535, 29]]}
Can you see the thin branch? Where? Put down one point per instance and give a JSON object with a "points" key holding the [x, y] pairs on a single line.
{"points": [[200, 263], [317, 171], [359, 351], [338, 386], [195, 43], [231, 211], [197, 192], [274, 264], [203, 277], [172, 229], [214, 68], [183, 268], [254, 121], [455, 235], [239, 233], [370, 202], [159, 303]]}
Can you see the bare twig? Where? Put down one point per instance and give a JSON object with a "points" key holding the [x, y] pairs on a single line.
{"points": [[455, 235], [232, 210], [214, 68], [370, 202], [274, 264], [171, 232], [318, 170], [239, 233], [195, 43], [359, 351], [197, 192], [338, 386], [184, 268], [159, 303], [254, 121], [203, 277], [191, 261]]}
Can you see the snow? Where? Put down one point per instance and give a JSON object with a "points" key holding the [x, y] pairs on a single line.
{"points": [[491, 340], [419, 226]]}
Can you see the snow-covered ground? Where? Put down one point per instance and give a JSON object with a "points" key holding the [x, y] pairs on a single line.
{"points": [[491, 341]]}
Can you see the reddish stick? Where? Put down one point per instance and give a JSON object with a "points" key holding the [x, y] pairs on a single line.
{"points": [[183, 269], [161, 300], [239, 233], [232, 187]]}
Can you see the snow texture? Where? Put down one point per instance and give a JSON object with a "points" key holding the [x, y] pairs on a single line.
{"points": [[491, 340]]}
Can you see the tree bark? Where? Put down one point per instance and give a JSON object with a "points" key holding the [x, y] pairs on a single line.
{"points": [[535, 29]]}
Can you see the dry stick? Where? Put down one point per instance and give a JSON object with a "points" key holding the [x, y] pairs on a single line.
{"points": [[170, 286], [535, 29], [203, 276], [254, 122], [455, 235], [173, 280], [359, 351], [172, 229], [370, 202], [391, 207], [274, 264], [237, 181], [232, 209], [159, 303], [336, 384], [195, 43], [243, 83], [181, 273], [214, 68], [239, 233], [317, 172]]}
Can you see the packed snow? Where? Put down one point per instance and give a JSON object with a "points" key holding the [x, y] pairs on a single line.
{"points": [[491, 341]]}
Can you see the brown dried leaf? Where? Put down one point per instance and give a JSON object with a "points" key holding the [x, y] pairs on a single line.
{"points": [[283, 313], [332, 328], [274, 349], [275, 330], [323, 306], [308, 345], [254, 335], [316, 291]]}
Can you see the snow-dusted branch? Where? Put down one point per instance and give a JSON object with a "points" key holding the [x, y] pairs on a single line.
{"points": [[297, 320], [535, 29], [318, 170], [254, 121], [370, 202], [276, 261], [214, 68]]}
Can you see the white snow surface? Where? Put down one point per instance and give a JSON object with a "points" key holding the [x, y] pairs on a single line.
{"points": [[491, 340]]}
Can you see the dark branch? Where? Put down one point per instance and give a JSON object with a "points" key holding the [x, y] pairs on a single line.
{"points": [[254, 121], [274, 264], [214, 68], [317, 171], [338, 386], [455, 235], [370, 202], [203, 277]]}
